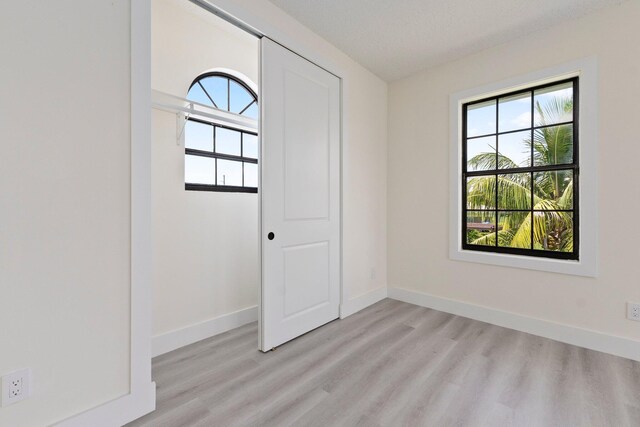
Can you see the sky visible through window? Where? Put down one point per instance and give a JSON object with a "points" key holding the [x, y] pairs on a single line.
{"points": [[520, 172], [221, 156], [226, 172], [515, 113], [224, 94]]}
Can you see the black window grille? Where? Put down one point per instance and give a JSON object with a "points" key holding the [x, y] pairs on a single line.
{"points": [[221, 157], [520, 172]]}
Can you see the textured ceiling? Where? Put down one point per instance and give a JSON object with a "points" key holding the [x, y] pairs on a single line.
{"points": [[396, 38]]}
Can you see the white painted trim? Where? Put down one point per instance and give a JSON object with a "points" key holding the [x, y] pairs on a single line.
{"points": [[594, 340], [363, 301], [181, 337], [142, 392], [587, 70], [343, 291], [260, 203], [117, 412], [141, 206]]}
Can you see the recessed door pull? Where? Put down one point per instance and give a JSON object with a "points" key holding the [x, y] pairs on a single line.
{"points": [[270, 236]]}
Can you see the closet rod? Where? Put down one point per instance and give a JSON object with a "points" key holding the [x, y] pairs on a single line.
{"points": [[175, 104]]}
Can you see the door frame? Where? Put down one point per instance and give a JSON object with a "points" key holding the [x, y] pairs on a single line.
{"points": [[141, 397]]}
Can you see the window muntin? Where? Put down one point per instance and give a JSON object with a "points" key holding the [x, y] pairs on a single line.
{"points": [[224, 166], [224, 92], [220, 157], [520, 172]]}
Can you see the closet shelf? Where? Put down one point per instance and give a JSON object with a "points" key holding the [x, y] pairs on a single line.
{"points": [[186, 108]]}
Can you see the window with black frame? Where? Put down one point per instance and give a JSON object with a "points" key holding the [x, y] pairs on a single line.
{"points": [[219, 156], [520, 172]]}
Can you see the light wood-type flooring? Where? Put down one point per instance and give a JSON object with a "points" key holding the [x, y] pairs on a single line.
{"points": [[394, 364]]}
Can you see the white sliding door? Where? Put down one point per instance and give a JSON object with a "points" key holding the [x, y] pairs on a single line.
{"points": [[300, 193]]}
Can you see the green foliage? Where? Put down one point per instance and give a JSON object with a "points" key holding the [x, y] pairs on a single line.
{"points": [[484, 161], [473, 235], [552, 190]]}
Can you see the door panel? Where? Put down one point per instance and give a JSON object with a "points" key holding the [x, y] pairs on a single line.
{"points": [[300, 195], [306, 152], [306, 277]]}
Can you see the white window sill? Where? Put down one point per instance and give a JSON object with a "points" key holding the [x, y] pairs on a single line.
{"points": [[577, 268]]}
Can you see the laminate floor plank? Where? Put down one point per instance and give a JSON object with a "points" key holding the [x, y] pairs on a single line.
{"points": [[394, 364]]}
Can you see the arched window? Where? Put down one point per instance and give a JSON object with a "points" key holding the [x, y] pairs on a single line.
{"points": [[219, 155]]}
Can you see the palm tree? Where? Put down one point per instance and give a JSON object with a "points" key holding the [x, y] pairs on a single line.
{"points": [[552, 190]]}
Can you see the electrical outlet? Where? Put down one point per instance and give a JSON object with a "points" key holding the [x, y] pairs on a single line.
{"points": [[633, 311], [16, 386]]}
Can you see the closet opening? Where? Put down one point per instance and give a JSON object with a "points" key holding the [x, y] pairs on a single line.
{"points": [[205, 175]]}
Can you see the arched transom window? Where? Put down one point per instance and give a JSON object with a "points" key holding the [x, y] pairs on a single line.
{"points": [[220, 156], [224, 92]]}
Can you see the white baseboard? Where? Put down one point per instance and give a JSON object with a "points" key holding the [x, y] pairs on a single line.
{"points": [[618, 346], [170, 341], [360, 302], [117, 412]]}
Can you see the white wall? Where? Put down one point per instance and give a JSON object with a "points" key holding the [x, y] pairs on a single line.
{"points": [[419, 192], [205, 243], [64, 204]]}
